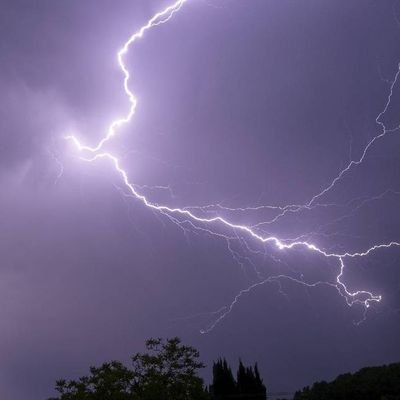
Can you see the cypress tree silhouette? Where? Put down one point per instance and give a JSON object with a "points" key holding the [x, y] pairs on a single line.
{"points": [[249, 385], [224, 385]]}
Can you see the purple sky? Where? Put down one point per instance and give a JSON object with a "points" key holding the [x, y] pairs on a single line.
{"points": [[242, 103]]}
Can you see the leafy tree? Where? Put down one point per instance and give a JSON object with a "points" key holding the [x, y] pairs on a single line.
{"points": [[167, 371]]}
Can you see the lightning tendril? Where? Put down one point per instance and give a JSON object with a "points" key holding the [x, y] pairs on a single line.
{"points": [[197, 217]]}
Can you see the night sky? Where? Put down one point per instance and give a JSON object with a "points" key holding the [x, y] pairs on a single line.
{"points": [[241, 104]]}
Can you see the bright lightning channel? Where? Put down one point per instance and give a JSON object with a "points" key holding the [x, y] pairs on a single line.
{"points": [[210, 225]]}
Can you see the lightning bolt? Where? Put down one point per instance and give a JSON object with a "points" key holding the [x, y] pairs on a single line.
{"points": [[207, 219], [158, 19]]}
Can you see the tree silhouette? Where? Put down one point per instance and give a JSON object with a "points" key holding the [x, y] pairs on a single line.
{"points": [[248, 386], [224, 384], [167, 371], [249, 383], [373, 383]]}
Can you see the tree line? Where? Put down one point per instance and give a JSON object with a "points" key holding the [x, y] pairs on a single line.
{"points": [[167, 371], [372, 383]]}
